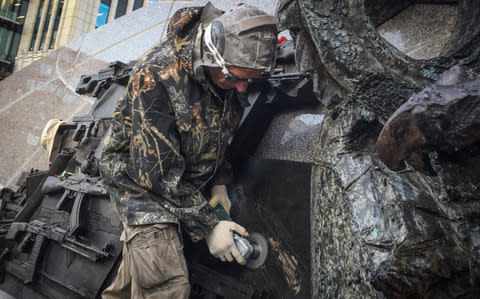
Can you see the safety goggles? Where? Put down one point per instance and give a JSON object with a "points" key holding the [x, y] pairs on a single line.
{"points": [[231, 76]]}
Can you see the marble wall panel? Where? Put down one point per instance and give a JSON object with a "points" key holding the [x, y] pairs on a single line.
{"points": [[126, 27], [38, 159], [134, 46], [68, 55], [23, 124], [25, 81]]}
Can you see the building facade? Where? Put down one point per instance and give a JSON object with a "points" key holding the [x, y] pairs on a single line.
{"points": [[31, 29], [12, 17]]}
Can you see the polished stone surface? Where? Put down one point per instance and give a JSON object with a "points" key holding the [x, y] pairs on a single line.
{"points": [[291, 136], [421, 31], [45, 89], [4, 295]]}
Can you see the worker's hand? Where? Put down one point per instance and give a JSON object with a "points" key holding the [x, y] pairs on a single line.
{"points": [[221, 244], [220, 196]]}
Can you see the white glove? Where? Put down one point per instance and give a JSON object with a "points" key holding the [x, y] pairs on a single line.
{"points": [[220, 196], [221, 244]]}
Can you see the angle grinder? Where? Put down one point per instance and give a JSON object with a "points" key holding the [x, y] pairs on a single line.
{"points": [[253, 248]]}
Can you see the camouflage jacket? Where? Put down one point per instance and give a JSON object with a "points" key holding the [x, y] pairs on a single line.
{"points": [[168, 136]]}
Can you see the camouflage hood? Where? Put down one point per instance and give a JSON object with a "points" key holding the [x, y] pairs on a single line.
{"points": [[249, 38], [183, 31], [244, 36]]}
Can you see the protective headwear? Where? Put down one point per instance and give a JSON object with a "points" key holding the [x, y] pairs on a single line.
{"points": [[50, 139], [244, 36]]}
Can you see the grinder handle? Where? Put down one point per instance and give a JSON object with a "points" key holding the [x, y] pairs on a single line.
{"points": [[221, 213]]}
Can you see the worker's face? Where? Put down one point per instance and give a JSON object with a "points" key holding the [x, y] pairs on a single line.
{"points": [[219, 80]]}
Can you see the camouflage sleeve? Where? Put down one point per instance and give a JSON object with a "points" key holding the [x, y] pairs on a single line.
{"points": [[115, 153], [157, 163]]}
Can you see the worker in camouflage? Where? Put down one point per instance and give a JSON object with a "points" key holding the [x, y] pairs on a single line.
{"points": [[168, 140]]}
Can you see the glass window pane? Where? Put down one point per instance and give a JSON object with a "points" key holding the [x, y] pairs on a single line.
{"points": [[7, 42], [121, 8], [14, 45], [58, 15], [4, 32], [10, 8], [23, 11], [137, 4], [14, 7], [45, 25], [37, 24], [13, 12], [102, 15], [6, 4]]}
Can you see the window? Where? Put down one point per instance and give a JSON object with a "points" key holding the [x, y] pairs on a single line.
{"points": [[37, 25], [103, 11], [137, 4], [121, 8], [46, 25], [6, 37], [51, 44], [12, 16]]}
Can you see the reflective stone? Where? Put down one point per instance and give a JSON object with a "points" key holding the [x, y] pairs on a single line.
{"points": [[421, 30], [291, 136]]}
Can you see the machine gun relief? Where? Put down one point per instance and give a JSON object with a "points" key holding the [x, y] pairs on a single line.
{"points": [[38, 232], [75, 188]]}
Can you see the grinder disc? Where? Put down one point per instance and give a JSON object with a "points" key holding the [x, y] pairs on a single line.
{"points": [[260, 251]]}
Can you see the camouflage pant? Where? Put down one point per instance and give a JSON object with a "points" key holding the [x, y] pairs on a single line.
{"points": [[153, 265]]}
